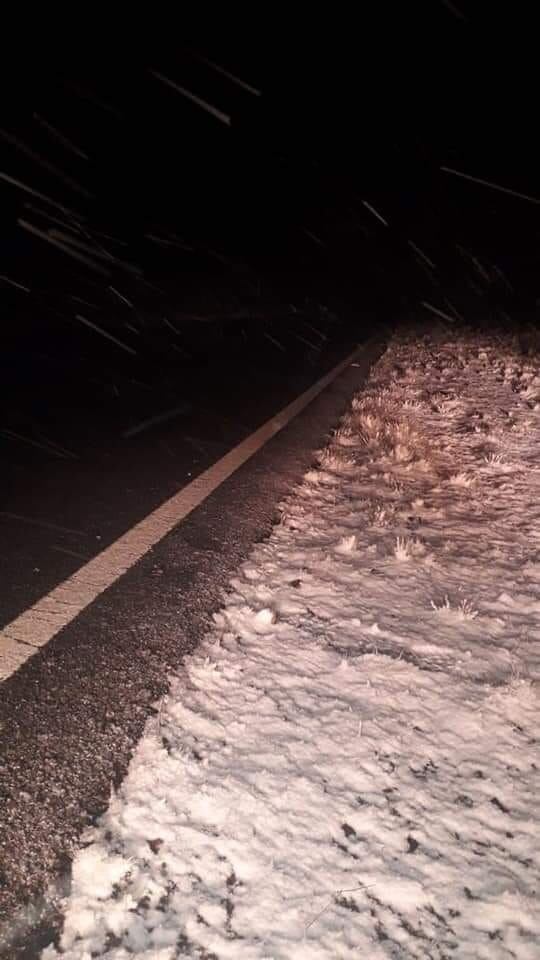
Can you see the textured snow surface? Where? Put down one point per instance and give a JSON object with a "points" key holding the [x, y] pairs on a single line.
{"points": [[349, 766]]}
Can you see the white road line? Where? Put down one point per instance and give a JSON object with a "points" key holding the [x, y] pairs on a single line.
{"points": [[32, 629]]}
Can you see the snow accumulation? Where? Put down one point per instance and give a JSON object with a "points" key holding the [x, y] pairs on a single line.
{"points": [[348, 766]]}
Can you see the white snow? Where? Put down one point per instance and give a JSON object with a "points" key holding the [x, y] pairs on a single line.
{"points": [[349, 766]]}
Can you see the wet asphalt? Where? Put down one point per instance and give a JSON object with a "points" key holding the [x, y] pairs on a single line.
{"points": [[71, 716]]}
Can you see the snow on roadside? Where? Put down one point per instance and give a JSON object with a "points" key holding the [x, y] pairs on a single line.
{"points": [[348, 767]]}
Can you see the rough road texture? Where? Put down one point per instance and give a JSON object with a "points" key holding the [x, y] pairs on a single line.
{"points": [[349, 765]]}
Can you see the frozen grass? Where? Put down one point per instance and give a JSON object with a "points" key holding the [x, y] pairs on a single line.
{"points": [[461, 479], [463, 610]]}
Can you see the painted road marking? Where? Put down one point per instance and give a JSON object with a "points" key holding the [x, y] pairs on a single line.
{"points": [[33, 628]]}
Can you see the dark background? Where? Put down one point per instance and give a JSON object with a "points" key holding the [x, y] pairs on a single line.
{"points": [[248, 246]]}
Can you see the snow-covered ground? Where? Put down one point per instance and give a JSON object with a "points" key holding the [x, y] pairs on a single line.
{"points": [[349, 766]]}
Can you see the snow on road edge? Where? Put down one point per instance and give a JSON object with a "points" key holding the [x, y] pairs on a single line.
{"points": [[348, 767]]}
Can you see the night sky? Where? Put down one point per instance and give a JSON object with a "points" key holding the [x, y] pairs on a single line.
{"points": [[224, 189]]}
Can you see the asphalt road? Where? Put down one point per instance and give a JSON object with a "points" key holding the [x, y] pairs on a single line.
{"points": [[70, 717], [82, 466]]}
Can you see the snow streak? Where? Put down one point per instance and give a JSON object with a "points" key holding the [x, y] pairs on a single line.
{"points": [[348, 767]]}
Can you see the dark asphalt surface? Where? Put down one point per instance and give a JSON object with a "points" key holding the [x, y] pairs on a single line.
{"points": [[70, 717], [57, 511]]}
